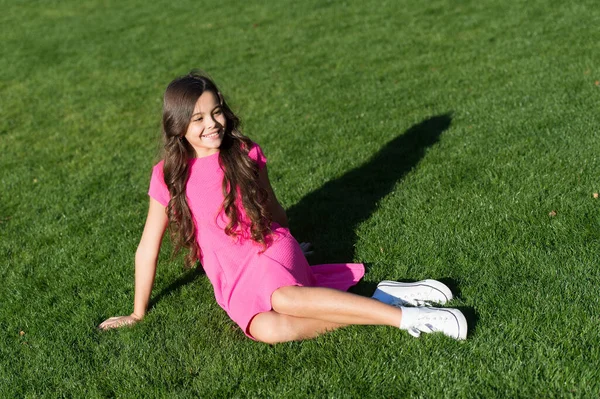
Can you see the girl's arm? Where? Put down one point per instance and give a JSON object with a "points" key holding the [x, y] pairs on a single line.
{"points": [[147, 255], [275, 208], [145, 265]]}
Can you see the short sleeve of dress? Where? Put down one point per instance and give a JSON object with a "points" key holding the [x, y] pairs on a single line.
{"points": [[257, 155], [158, 189]]}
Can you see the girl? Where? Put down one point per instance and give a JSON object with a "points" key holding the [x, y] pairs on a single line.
{"points": [[213, 192]]}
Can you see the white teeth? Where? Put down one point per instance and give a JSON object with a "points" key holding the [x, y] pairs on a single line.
{"points": [[210, 136]]}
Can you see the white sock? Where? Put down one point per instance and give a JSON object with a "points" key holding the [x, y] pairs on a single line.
{"points": [[409, 317]]}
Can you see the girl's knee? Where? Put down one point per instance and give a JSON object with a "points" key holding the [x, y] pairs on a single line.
{"points": [[271, 328], [267, 336], [285, 298]]}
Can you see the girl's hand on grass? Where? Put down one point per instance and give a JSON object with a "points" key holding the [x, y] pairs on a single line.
{"points": [[306, 248], [119, 321]]}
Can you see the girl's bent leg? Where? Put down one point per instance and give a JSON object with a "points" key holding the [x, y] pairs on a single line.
{"points": [[333, 306], [272, 327]]}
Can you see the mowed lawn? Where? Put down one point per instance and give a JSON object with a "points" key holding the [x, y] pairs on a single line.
{"points": [[427, 139]]}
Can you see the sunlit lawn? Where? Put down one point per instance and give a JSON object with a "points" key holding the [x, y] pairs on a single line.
{"points": [[449, 140]]}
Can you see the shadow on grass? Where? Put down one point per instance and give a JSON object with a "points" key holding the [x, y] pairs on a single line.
{"points": [[329, 216], [472, 319], [186, 278], [453, 285]]}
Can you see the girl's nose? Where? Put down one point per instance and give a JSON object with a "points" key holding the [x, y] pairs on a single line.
{"points": [[213, 122]]}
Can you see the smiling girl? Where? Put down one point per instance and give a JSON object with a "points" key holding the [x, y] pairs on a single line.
{"points": [[212, 191]]}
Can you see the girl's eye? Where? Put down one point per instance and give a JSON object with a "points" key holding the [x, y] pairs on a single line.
{"points": [[218, 112], [199, 119]]}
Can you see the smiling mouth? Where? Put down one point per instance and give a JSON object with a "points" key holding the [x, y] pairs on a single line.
{"points": [[212, 135]]}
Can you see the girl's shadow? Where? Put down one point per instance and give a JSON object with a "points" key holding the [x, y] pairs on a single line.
{"points": [[329, 216]]}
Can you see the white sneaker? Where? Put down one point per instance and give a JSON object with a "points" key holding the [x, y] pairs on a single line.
{"points": [[420, 293], [450, 322]]}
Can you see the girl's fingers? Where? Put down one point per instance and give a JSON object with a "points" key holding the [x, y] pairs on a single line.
{"points": [[108, 326], [106, 322], [105, 325], [115, 322]]}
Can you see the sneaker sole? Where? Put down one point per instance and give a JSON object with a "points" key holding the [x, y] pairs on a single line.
{"points": [[436, 285]]}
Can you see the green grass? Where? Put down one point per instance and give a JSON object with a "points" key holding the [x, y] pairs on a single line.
{"points": [[507, 91]]}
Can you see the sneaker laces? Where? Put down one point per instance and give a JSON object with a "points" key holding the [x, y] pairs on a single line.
{"points": [[398, 302], [424, 326]]}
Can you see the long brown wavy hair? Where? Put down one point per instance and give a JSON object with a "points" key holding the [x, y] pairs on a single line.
{"points": [[241, 172]]}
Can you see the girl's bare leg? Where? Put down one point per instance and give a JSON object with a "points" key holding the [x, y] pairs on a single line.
{"points": [[272, 327], [335, 306], [305, 312]]}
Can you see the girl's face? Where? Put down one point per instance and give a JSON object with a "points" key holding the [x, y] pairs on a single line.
{"points": [[207, 126]]}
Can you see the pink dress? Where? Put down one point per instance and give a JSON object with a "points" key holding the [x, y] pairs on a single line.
{"points": [[242, 276]]}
